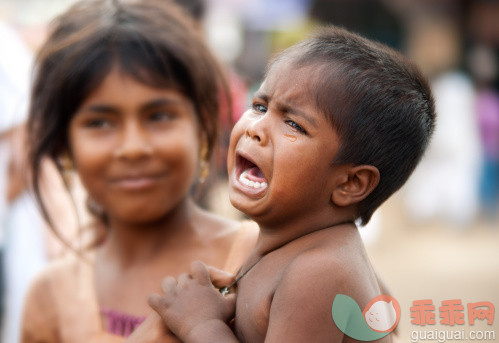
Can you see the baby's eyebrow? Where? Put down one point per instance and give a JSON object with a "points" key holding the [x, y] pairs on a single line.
{"points": [[261, 95], [293, 109], [287, 107]]}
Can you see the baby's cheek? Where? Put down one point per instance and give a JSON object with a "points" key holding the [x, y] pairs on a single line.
{"points": [[238, 130]]}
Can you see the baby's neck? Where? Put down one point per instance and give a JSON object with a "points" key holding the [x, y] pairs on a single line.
{"points": [[276, 236]]}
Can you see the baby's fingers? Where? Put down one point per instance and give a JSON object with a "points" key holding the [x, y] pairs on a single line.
{"points": [[220, 278], [199, 272], [157, 303], [169, 286], [229, 307], [162, 307], [230, 300], [183, 280]]}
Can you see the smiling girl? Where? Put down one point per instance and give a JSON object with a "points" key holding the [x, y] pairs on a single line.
{"points": [[128, 94]]}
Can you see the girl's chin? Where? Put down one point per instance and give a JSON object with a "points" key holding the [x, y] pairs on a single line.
{"points": [[138, 215]]}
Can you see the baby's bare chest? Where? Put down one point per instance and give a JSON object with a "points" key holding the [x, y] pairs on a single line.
{"points": [[254, 300]]}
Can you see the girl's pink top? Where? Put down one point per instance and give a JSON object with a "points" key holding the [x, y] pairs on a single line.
{"points": [[121, 324], [62, 306]]}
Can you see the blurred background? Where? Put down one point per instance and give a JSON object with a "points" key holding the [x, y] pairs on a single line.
{"points": [[437, 238]]}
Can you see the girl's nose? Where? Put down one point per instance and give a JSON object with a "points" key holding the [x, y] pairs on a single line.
{"points": [[134, 143], [257, 129]]}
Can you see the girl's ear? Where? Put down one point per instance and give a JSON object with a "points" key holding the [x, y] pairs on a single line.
{"points": [[354, 184], [203, 139]]}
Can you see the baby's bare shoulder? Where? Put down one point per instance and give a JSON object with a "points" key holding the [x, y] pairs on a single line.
{"points": [[335, 263], [305, 292], [318, 265]]}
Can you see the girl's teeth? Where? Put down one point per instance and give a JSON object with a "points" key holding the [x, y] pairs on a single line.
{"points": [[244, 180]]}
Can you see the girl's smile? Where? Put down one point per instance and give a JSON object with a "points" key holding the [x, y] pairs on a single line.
{"points": [[135, 147], [137, 182]]}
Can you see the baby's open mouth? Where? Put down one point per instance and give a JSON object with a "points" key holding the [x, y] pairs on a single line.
{"points": [[249, 174]]}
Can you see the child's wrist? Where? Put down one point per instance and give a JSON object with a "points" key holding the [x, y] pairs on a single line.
{"points": [[213, 330]]}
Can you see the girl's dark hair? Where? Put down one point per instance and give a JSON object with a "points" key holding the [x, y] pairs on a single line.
{"points": [[377, 100], [152, 41]]}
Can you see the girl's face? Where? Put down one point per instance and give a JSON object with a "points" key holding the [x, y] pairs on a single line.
{"points": [[135, 148]]}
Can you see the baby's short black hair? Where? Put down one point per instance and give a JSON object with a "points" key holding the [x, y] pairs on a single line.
{"points": [[376, 99]]}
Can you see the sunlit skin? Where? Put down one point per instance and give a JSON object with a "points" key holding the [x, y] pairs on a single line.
{"points": [[281, 133], [297, 202], [136, 149], [308, 250]]}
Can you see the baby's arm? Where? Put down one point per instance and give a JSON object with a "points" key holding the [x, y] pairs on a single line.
{"points": [[302, 303], [193, 309]]}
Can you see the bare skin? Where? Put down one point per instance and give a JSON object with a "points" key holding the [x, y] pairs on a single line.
{"points": [[308, 250], [154, 330], [136, 149]]}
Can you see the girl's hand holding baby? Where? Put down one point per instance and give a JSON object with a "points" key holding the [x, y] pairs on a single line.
{"points": [[192, 307]]}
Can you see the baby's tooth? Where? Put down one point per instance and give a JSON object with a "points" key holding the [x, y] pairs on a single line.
{"points": [[243, 178], [243, 175]]}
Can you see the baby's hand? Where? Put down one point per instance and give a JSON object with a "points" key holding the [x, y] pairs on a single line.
{"points": [[192, 302], [220, 278]]}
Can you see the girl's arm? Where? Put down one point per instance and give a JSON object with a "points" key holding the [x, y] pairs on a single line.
{"points": [[39, 320]]}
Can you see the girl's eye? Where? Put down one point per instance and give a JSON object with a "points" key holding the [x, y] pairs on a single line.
{"points": [[98, 123], [295, 126], [160, 116], [259, 108]]}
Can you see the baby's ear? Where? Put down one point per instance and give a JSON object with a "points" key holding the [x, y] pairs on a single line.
{"points": [[355, 184]]}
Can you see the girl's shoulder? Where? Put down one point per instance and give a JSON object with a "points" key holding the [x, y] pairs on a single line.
{"points": [[244, 241], [64, 272], [217, 226], [59, 294], [248, 231]]}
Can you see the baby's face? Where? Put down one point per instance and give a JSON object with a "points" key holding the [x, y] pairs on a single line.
{"points": [[281, 151]]}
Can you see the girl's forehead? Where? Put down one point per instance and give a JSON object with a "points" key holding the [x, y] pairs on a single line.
{"points": [[117, 77], [148, 76]]}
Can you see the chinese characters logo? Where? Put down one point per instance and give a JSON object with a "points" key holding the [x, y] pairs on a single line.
{"points": [[451, 312]]}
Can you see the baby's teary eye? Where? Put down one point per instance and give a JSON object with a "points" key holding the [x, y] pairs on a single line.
{"points": [[259, 108], [295, 126]]}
